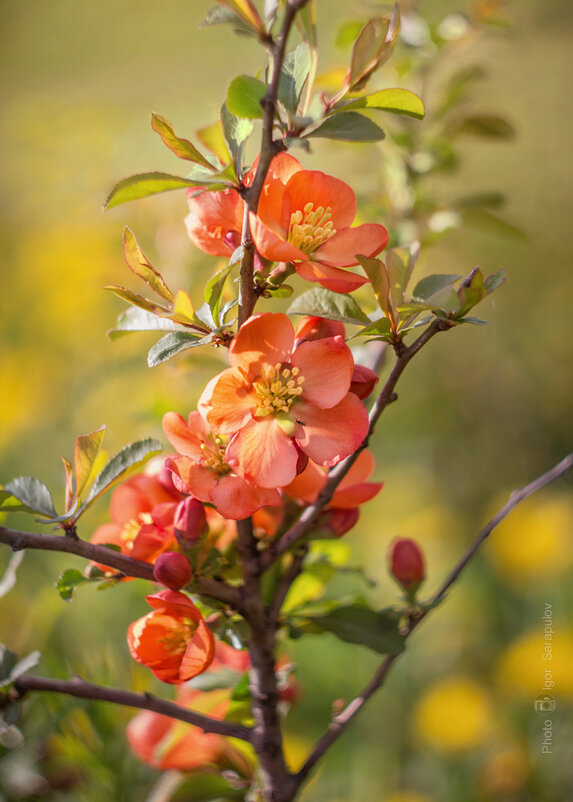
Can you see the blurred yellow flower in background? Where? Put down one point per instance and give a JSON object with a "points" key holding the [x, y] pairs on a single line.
{"points": [[535, 540], [455, 714], [504, 772], [531, 663]]}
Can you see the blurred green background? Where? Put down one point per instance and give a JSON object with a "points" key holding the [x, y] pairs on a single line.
{"points": [[481, 410]]}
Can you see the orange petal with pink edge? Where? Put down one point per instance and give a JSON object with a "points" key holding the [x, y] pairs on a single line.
{"points": [[211, 216], [329, 435], [197, 480], [331, 278], [341, 249], [272, 242], [327, 367], [236, 498], [263, 454], [184, 437], [313, 186], [263, 340], [232, 402]]}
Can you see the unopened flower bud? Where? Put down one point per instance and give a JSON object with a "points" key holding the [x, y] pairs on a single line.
{"points": [[318, 328], [407, 565], [189, 522], [173, 570], [338, 522], [363, 381]]}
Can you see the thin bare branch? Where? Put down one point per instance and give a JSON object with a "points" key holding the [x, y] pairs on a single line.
{"points": [[339, 723], [127, 566], [144, 701]]}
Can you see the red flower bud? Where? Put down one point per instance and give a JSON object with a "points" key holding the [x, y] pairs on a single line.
{"points": [[407, 564], [318, 328], [173, 570], [189, 522], [363, 381], [338, 522]]}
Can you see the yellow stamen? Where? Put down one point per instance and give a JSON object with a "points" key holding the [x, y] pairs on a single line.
{"points": [[213, 456], [176, 641], [278, 389], [310, 230]]}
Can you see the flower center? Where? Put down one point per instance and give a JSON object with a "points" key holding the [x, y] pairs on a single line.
{"points": [[213, 456], [309, 229], [277, 390], [176, 639], [132, 528]]}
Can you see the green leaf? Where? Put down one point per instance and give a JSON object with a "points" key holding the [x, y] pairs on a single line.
{"points": [[236, 131], [295, 72], [180, 147], [213, 292], [33, 494], [376, 271], [333, 305], [373, 47], [135, 319], [139, 264], [484, 125], [9, 579], [430, 285], [144, 184], [357, 623], [117, 468], [484, 220], [11, 668], [494, 281], [225, 16], [172, 344], [69, 581], [349, 126], [397, 101], [244, 97], [205, 788], [214, 680], [492, 200], [85, 452]]}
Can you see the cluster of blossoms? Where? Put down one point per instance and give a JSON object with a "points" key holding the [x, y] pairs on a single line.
{"points": [[266, 429]]}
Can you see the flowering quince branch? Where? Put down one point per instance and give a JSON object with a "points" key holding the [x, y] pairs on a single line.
{"points": [[127, 566], [144, 701], [341, 722]]}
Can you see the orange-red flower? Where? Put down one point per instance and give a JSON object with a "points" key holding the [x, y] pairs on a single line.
{"points": [[277, 400], [142, 510], [164, 743], [215, 219], [203, 471], [305, 217], [173, 640]]}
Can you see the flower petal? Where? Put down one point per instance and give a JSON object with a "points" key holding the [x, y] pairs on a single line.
{"points": [[327, 367], [184, 437], [350, 497], [332, 278], [232, 401], [198, 480], [199, 654], [263, 454], [236, 498], [270, 208], [272, 243], [329, 435], [211, 216], [341, 249], [313, 186], [261, 341]]}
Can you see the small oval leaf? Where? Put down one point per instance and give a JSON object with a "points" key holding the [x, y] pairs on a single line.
{"points": [[349, 126]]}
